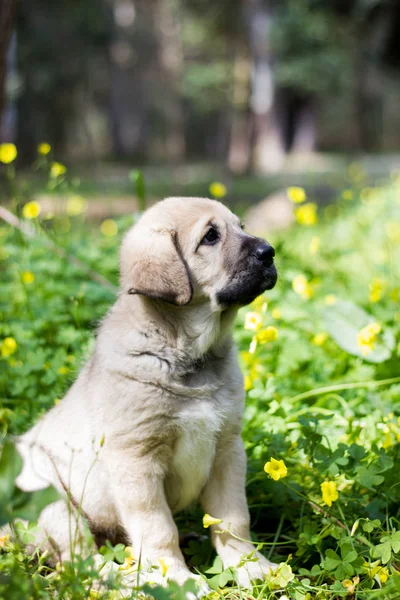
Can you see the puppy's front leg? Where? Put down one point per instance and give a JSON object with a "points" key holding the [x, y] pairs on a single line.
{"points": [[224, 498], [147, 518]]}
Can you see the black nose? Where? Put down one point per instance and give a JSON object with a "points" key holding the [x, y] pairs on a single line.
{"points": [[265, 254]]}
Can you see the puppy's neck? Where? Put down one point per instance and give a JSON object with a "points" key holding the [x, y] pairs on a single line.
{"points": [[183, 335], [196, 330]]}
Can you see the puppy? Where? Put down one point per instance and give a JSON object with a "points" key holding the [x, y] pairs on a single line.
{"points": [[153, 421]]}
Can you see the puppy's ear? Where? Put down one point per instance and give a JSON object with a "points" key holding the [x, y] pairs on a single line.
{"points": [[153, 265]]}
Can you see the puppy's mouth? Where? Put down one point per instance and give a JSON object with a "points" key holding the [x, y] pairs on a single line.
{"points": [[247, 285], [270, 277], [259, 282]]}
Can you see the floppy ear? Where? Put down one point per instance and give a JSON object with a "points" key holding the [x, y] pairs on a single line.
{"points": [[153, 266]]}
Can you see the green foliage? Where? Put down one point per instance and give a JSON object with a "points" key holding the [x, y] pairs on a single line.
{"points": [[315, 400], [172, 592], [313, 47], [13, 502], [326, 405], [219, 576], [345, 565], [115, 553], [137, 178]]}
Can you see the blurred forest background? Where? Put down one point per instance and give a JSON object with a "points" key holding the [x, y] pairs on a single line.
{"points": [[241, 83]]}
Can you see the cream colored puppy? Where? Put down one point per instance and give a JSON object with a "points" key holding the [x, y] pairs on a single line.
{"points": [[153, 421]]}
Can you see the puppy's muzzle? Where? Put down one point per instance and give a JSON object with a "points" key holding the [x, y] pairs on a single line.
{"points": [[265, 254]]}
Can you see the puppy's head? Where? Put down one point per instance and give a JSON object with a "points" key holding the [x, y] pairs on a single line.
{"points": [[187, 250]]}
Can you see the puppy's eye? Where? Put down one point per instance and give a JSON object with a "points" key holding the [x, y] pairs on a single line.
{"points": [[211, 237], [242, 225]]}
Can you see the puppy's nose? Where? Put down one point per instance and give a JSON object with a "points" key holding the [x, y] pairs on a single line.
{"points": [[265, 254]]}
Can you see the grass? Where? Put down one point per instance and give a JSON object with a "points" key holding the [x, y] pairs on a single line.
{"points": [[320, 397]]}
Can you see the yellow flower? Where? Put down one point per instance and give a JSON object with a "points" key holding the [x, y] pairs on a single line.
{"points": [[330, 299], [351, 585], [252, 321], [388, 439], [57, 169], [28, 277], [217, 189], [307, 214], [209, 520], [302, 287], [383, 574], [109, 228], [355, 527], [260, 304], [280, 577], [276, 469], [3, 540], [347, 195], [44, 148], [315, 244], [376, 288], [395, 295], [296, 194], [8, 153], [329, 492], [269, 334], [63, 370], [276, 313], [366, 337], [31, 210], [8, 347], [248, 383], [129, 558], [164, 566], [247, 358], [76, 205], [319, 339], [374, 569]]}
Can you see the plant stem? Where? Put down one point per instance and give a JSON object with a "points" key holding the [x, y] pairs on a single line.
{"points": [[320, 509], [277, 534], [344, 386]]}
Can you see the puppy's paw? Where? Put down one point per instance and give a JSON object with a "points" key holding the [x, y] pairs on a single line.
{"points": [[180, 574], [183, 576], [162, 573], [253, 570]]}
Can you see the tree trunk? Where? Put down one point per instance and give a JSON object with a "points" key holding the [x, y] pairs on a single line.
{"points": [[7, 14], [369, 83], [267, 151], [133, 65], [171, 63], [239, 150]]}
